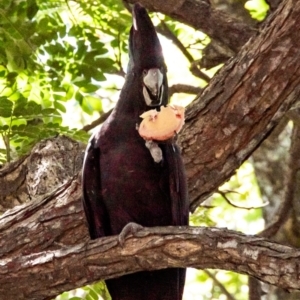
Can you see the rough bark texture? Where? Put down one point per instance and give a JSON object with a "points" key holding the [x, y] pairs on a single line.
{"points": [[231, 32], [242, 104], [51, 163], [44, 274], [273, 4], [12, 182], [235, 9]]}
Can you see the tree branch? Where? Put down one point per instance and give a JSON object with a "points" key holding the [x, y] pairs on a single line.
{"points": [[45, 243], [184, 88], [201, 16], [164, 30], [220, 285], [242, 104], [273, 4], [54, 271], [98, 121]]}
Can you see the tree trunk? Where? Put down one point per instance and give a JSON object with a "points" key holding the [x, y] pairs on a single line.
{"points": [[242, 104]]}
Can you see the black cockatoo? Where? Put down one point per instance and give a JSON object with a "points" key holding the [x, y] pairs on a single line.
{"points": [[122, 180]]}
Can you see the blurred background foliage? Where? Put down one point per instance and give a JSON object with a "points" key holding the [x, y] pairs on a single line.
{"points": [[62, 65]]}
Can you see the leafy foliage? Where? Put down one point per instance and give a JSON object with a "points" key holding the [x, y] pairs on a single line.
{"points": [[23, 122], [258, 9], [96, 291], [50, 53]]}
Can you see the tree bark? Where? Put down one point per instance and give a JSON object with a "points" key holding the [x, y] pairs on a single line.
{"points": [[242, 104], [200, 15], [44, 247], [42, 275]]}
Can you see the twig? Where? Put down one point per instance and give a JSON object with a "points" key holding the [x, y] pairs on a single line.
{"points": [[197, 72], [223, 194], [97, 122], [164, 30], [184, 88], [220, 285], [71, 12]]}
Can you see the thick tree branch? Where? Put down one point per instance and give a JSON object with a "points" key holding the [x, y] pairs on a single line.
{"points": [[54, 271], [242, 104], [50, 222], [45, 248], [201, 16], [45, 243]]}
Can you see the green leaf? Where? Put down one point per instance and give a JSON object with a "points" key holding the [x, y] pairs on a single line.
{"points": [[25, 130], [11, 77], [4, 128], [69, 91], [79, 135], [92, 295], [79, 97], [5, 107], [32, 9], [43, 24], [105, 64], [89, 88], [59, 106], [2, 73], [81, 83], [99, 48], [33, 108], [20, 106], [94, 102], [99, 76], [48, 111]]}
